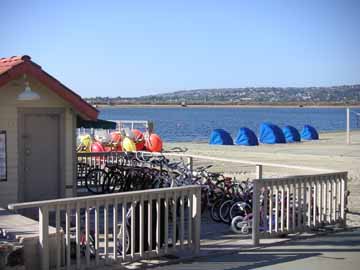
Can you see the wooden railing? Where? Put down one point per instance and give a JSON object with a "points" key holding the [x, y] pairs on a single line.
{"points": [[280, 205], [298, 203], [157, 222]]}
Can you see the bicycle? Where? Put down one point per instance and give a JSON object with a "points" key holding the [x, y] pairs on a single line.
{"points": [[91, 237]]}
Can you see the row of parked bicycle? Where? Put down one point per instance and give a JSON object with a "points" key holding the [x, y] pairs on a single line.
{"points": [[226, 199], [140, 171], [131, 171]]}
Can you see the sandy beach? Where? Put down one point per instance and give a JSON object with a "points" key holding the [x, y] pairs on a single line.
{"points": [[330, 153]]}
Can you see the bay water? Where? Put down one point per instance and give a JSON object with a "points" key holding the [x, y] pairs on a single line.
{"points": [[181, 124]]}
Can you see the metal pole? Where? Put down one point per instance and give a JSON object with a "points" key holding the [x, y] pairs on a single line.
{"points": [[348, 126], [190, 164], [259, 171]]}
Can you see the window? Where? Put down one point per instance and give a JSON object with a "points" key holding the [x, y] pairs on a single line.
{"points": [[3, 172]]}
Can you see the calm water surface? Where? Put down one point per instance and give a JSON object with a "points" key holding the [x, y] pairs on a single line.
{"points": [[195, 124]]}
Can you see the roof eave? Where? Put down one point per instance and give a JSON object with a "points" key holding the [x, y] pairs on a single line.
{"points": [[34, 70]]}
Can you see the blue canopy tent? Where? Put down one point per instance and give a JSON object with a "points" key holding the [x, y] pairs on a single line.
{"points": [[220, 136], [291, 134], [270, 134], [246, 137], [309, 133]]}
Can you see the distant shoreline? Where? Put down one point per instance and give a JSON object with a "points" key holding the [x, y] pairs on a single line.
{"points": [[220, 106]]}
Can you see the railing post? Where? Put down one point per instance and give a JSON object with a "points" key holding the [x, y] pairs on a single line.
{"points": [[196, 219], [190, 164], [259, 171], [67, 238], [58, 238], [256, 213], [343, 199], [87, 234], [44, 237]]}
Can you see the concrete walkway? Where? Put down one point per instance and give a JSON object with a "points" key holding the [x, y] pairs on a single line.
{"points": [[331, 252]]}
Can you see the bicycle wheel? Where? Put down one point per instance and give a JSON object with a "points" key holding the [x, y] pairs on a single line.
{"points": [[92, 249], [120, 240], [239, 209], [225, 210], [239, 225], [204, 200], [114, 183], [215, 209], [94, 181]]}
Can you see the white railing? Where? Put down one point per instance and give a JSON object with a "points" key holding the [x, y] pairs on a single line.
{"points": [[298, 203], [157, 222], [143, 124]]}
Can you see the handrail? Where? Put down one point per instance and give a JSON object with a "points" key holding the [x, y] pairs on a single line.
{"points": [[303, 176], [133, 226], [65, 201]]}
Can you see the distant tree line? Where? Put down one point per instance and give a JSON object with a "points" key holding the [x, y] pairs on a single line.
{"points": [[335, 95]]}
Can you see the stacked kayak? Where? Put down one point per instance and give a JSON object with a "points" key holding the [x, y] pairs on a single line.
{"points": [[124, 140]]}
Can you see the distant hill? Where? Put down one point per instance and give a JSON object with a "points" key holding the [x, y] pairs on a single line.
{"points": [[335, 95]]}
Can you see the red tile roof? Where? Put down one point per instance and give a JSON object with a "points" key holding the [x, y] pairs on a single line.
{"points": [[15, 66], [8, 63]]}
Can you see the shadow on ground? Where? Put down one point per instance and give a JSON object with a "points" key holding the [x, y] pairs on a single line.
{"points": [[331, 250]]}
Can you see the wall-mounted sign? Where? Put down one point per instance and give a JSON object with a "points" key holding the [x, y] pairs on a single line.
{"points": [[3, 172]]}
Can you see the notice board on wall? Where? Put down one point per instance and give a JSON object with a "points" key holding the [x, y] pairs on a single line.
{"points": [[3, 166]]}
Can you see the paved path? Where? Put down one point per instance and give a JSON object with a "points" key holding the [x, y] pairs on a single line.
{"points": [[331, 252]]}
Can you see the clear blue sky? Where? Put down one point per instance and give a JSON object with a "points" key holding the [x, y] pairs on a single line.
{"points": [[133, 48]]}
